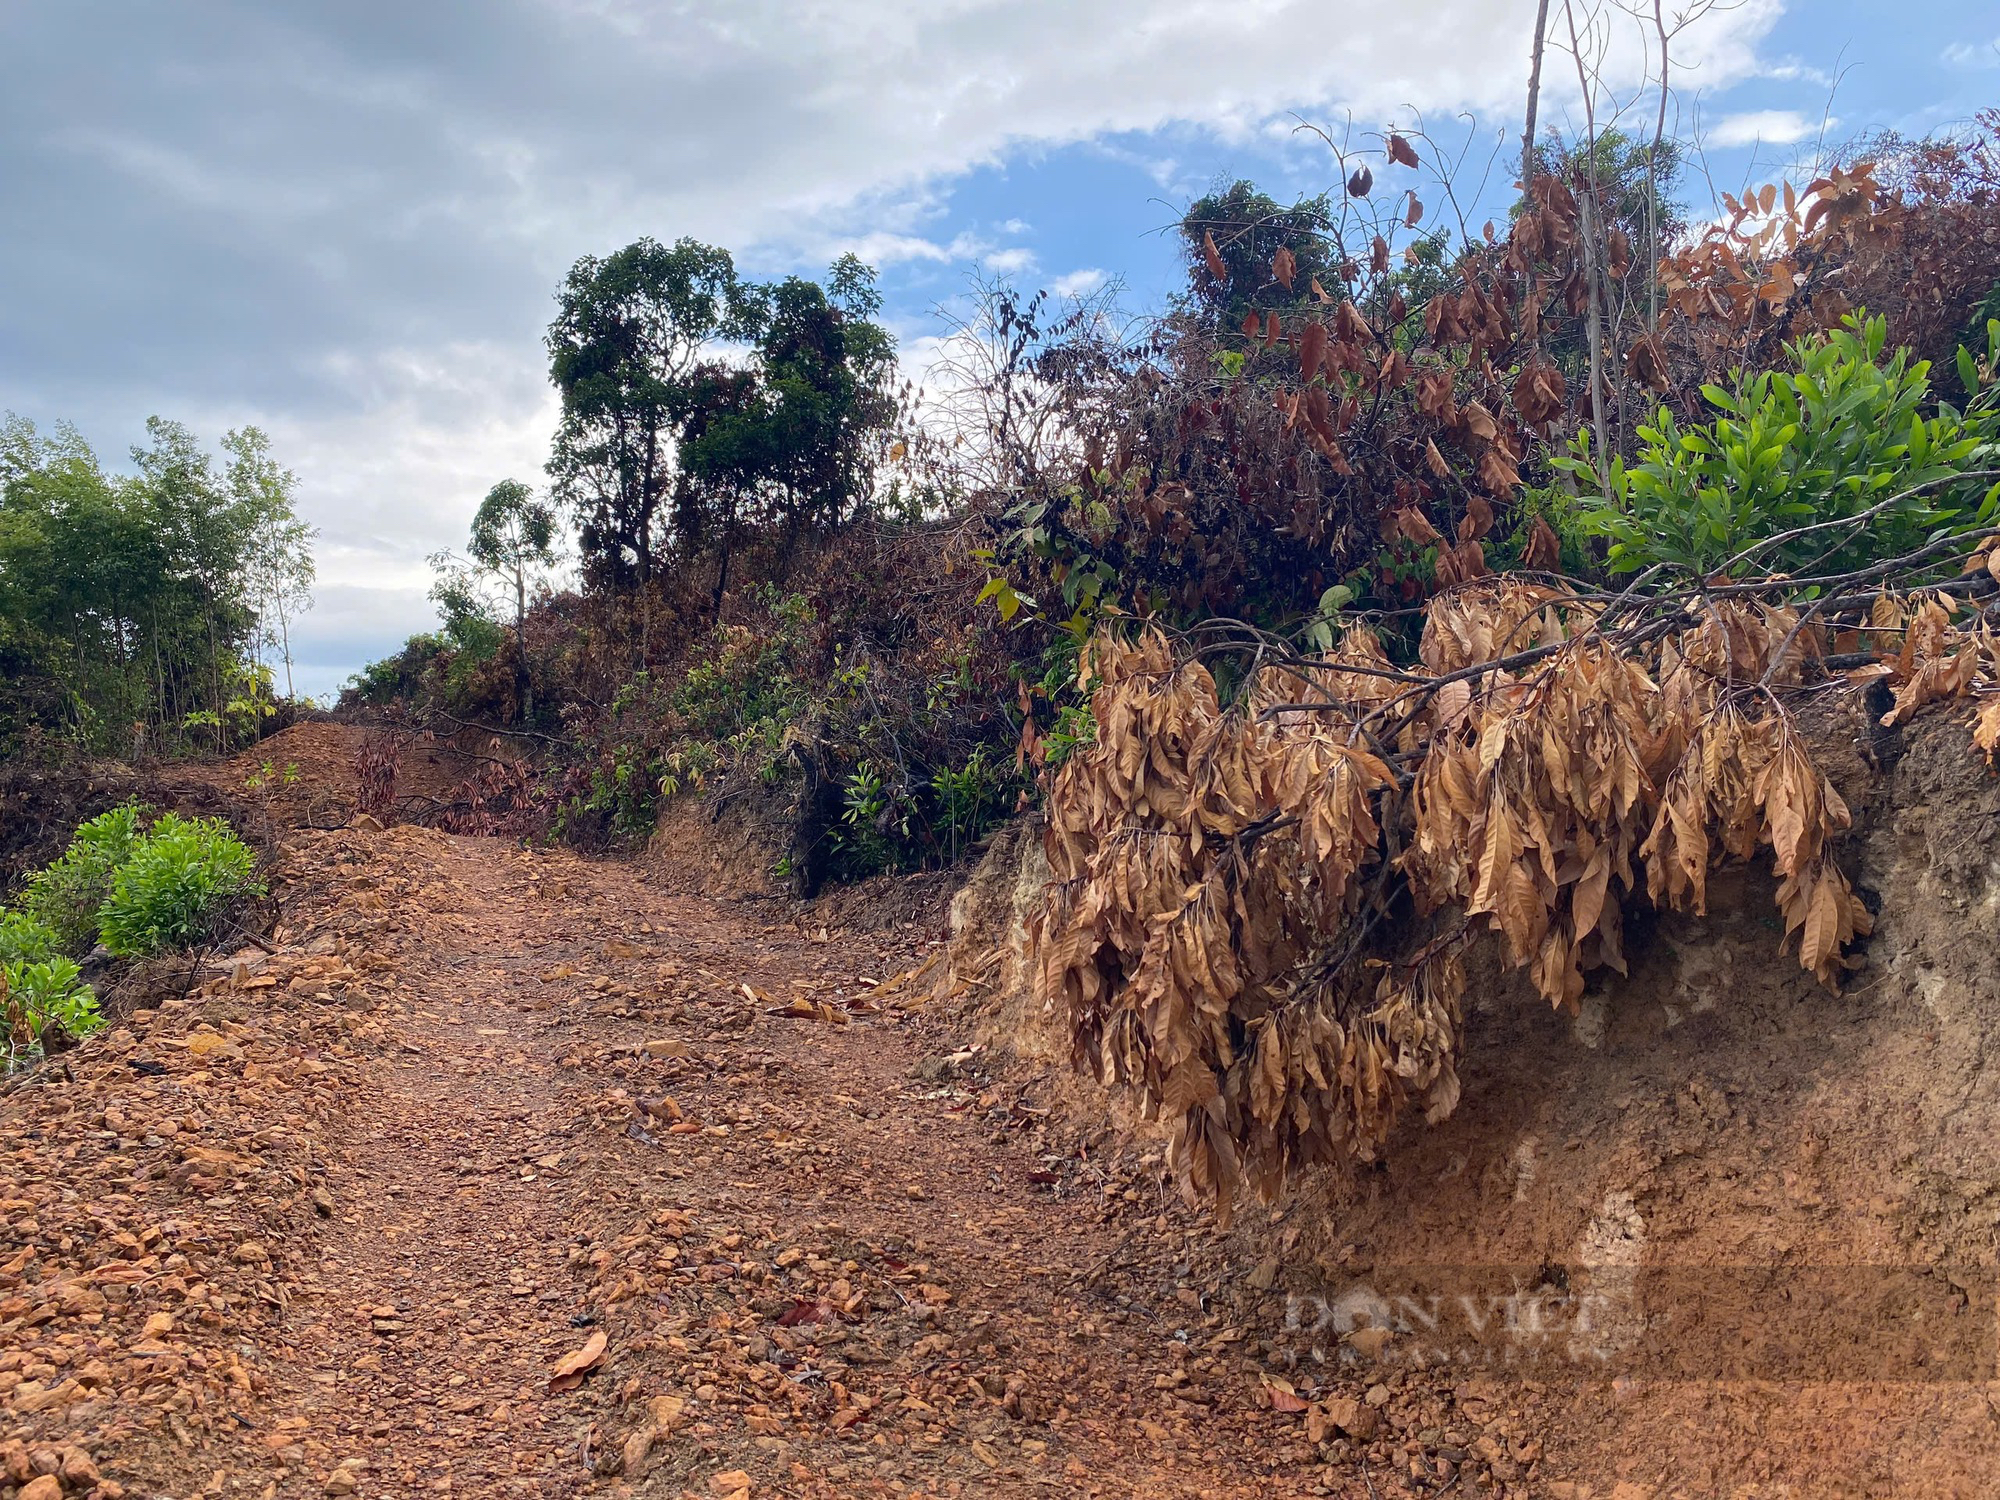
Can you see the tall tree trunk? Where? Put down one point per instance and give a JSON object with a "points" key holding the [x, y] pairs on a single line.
{"points": [[645, 617], [215, 676], [285, 639], [1593, 235], [524, 684], [159, 673], [721, 578], [1534, 96], [1653, 246], [643, 541]]}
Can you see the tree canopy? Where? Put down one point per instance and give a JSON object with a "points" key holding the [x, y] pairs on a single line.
{"points": [[698, 407], [629, 335], [1247, 227], [137, 608], [788, 441], [513, 534]]}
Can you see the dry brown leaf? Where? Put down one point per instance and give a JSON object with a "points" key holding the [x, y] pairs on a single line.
{"points": [[1986, 729], [1312, 348], [1544, 549], [1212, 257], [1280, 1394], [1196, 966], [571, 1369]]}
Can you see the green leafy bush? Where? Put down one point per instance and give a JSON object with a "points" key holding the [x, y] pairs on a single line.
{"points": [[874, 824], [1841, 434], [65, 896], [178, 884], [45, 994], [25, 940], [627, 789], [747, 688], [39, 987], [970, 800]]}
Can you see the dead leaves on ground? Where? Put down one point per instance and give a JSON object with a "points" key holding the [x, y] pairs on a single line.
{"points": [[1226, 930], [570, 1370]]}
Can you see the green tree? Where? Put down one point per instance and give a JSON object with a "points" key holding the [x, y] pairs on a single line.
{"points": [[131, 605], [208, 528], [513, 533], [281, 569], [789, 443], [84, 584], [630, 330], [1248, 228]]}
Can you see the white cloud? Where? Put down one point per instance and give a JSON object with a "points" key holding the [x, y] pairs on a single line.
{"points": [[396, 480], [1791, 70], [1167, 173], [1009, 262], [1078, 283], [348, 228], [1973, 54], [881, 248], [1772, 127]]}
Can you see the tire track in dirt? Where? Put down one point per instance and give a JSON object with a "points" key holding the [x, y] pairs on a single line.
{"points": [[441, 1283]]}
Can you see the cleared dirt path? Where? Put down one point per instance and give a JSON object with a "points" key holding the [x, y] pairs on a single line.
{"points": [[801, 1253]]}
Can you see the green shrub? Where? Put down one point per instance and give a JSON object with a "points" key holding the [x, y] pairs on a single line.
{"points": [[874, 824], [45, 994], [39, 984], [1842, 433], [627, 790], [25, 940], [66, 895], [179, 883], [970, 800], [748, 686], [381, 683], [1075, 729]]}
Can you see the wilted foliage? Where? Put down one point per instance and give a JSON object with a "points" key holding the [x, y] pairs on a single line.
{"points": [[1362, 408], [1940, 280], [1262, 899]]}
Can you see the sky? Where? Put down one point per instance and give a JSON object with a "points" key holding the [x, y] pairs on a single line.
{"points": [[345, 222]]}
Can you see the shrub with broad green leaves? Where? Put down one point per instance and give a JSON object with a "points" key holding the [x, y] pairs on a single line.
{"points": [[23, 939], [38, 997], [1852, 433], [180, 883], [138, 890], [39, 986], [64, 897]]}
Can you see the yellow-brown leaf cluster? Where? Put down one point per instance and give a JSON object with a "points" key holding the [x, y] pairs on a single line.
{"points": [[1260, 907]]}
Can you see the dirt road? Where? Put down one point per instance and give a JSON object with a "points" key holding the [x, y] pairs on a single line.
{"points": [[820, 1255], [509, 1173], [784, 1237]]}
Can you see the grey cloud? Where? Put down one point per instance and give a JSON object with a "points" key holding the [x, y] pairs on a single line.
{"points": [[345, 219]]}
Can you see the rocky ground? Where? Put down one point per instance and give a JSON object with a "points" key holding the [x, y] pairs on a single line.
{"points": [[496, 1172], [508, 1173]]}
